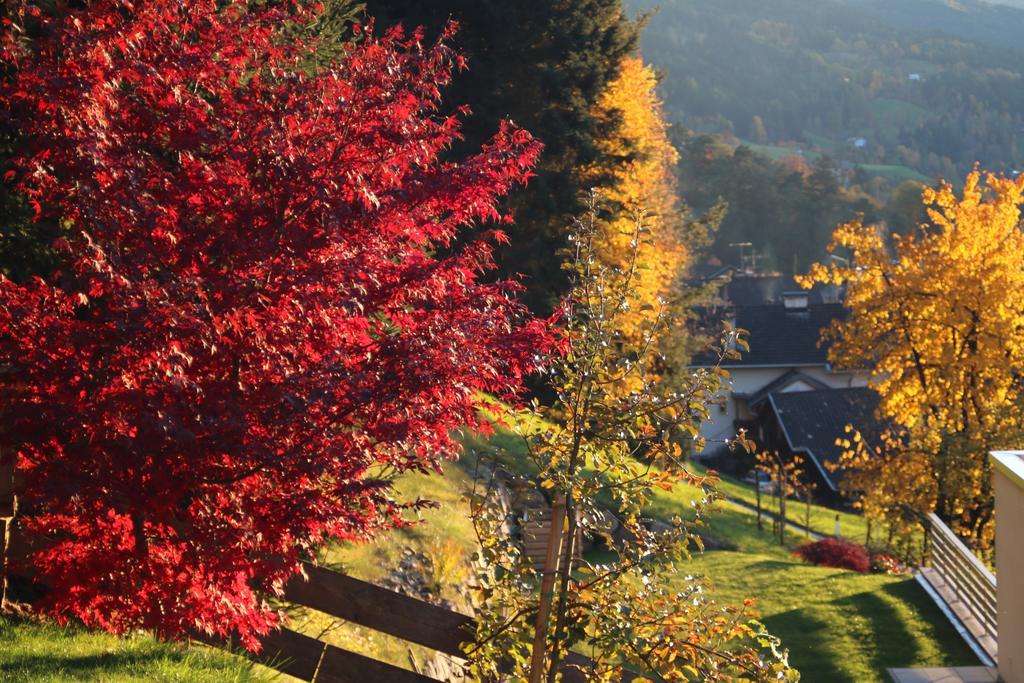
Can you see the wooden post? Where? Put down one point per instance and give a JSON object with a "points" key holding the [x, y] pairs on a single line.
{"points": [[780, 485], [547, 590], [807, 514], [757, 487], [8, 509]]}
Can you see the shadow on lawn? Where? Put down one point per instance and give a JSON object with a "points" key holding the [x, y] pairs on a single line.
{"points": [[773, 565], [866, 622], [881, 630], [808, 639], [79, 667], [871, 626], [956, 651]]}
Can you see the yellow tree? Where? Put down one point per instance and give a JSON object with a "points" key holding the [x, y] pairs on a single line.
{"points": [[891, 482], [938, 315], [641, 184]]}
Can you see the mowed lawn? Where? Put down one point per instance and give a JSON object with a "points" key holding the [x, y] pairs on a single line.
{"points": [[839, 626], [39, 651]]}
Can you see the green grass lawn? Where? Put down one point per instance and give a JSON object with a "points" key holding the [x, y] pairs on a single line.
{"points": [[41, 651], [822, 519], [896, 172], [839, 626]]}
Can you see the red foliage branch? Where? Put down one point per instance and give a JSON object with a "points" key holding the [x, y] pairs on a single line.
{"points": [[252, 320]]}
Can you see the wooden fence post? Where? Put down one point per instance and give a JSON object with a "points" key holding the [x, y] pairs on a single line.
{"points": [[8, 509]]}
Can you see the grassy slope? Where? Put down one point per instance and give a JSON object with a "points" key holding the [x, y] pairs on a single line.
{"points": [[444, 533], [896, 172], [776, 153], [838, 625], [38, 651], [823, 520]]}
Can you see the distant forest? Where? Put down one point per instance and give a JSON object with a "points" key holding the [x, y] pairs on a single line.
{"points": [[879, 91], [831, 75]]}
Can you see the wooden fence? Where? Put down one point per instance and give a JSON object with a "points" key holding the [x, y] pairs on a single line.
{"points": [[378, 609], [963, 583]]}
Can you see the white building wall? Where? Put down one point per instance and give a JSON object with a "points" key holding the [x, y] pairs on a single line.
{"points": [[1009, 485]]}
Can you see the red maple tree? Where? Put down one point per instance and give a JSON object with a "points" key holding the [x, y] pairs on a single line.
{"points": [[262, 305]]}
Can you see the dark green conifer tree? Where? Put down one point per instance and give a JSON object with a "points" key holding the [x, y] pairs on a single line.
{"points": [[542, 63]]}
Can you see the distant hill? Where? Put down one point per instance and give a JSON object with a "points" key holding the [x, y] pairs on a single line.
{"points": [[994, 23], [907, 88]]}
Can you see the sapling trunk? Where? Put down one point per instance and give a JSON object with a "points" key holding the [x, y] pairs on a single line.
{"points": [[547, 587], [780, 486], [8, 508]]}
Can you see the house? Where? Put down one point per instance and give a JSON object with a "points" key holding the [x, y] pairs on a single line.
{"points": [[786, 356], [805, 425]]}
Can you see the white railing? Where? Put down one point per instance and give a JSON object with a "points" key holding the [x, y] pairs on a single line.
{"points": [[967, 585]]}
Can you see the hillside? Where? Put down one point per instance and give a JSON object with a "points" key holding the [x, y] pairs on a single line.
{"points": [[997, 22], [840, 626], [921, 85]]}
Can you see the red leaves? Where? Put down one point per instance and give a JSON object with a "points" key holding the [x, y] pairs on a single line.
{"points": [[249, 319], [831, 552]]}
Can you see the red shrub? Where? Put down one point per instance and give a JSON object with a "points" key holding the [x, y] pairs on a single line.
{"points": [[265, 300], [830, 552]]}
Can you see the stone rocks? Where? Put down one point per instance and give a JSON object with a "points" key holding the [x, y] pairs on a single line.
{"points": [[412, 577]]}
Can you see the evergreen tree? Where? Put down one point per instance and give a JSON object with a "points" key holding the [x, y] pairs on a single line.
{"points": [[542, 63]]}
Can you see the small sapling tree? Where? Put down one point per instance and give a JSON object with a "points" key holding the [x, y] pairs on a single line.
{"points": [[600, 451]]}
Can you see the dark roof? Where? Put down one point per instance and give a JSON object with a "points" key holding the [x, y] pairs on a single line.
{"points": [[812, 421], [757, 290], [745, 288], [706, 272], [780, 337]]}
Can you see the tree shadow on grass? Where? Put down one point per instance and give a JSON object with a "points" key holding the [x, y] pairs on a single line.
{"points": [[774, 565], [956, 651], [32, 649], [860, 631], [881, 630], [88, 667], [808, 640]]}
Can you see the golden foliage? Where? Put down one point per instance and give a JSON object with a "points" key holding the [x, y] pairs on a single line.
{"points": [[938, 315], [891, 482], [599, 454], [640, 184]]}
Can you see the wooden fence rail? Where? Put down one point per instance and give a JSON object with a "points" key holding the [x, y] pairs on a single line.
{"points": [[378, 609], [964, 584]]}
